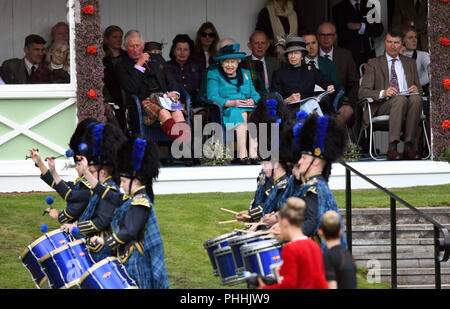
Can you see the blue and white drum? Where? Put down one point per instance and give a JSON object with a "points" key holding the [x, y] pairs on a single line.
{"points": [[258, 257], [65, 265], [109, 273], [236, 243], [216, 243], [39, 248], [226, 267]]}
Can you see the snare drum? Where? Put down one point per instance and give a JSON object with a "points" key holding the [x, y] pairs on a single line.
{"points": [[216, 243], [258, 257], [65, 265], [109, 273], [39, 248], [225, 266], [236, 243]]}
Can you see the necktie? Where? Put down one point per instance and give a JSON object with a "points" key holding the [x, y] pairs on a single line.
{"points": [[33, 69], [327, 56], [394, 80], [312, 63]]}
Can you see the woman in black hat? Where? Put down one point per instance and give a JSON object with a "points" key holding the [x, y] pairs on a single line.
{"points": [[136, 237], [296, 81]]}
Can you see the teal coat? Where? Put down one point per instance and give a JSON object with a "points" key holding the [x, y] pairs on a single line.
{"points": [[220, 91]]}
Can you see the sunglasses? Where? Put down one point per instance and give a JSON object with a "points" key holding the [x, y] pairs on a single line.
{"points": [[212, 35]]}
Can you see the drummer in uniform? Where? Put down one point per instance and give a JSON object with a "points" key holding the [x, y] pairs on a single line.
{"points": [[136, 237], [103, 141], [272, 112], [76, 193], [318, 142]]}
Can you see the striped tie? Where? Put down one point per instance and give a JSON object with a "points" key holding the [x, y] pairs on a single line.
{"points": [[394, 80]]}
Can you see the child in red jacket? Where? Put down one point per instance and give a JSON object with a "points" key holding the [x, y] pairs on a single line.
{"points": [[302, 263]]}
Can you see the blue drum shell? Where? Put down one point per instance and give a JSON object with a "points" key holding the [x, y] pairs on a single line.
{"points": [[236, 244], [259, 256], [217, 243], [225, 263], [39, 248], [109, 273], [64, 266]]}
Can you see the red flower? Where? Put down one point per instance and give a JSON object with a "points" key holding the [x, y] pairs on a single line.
{"points": [[91, 49], [446, 125], [92, 94], [88, 10], [444, 41], [446, 83]]}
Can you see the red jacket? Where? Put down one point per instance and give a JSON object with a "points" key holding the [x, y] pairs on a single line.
{"points": [[302, 266]]}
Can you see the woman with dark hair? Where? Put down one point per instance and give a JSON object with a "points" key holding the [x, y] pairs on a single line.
{"points": [[112, 45], [187, 72], [205, 45]]}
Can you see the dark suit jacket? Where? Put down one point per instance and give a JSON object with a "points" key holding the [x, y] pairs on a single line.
{"points": [[376, 78], [347, 73], [157, 79], [14, 71], [343, 13]]}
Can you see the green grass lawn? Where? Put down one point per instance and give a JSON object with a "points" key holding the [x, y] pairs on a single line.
{"points": [[186, 222]]}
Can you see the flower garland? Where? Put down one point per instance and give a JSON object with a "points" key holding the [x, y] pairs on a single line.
{"points": [[89, 60], [438, 34]]}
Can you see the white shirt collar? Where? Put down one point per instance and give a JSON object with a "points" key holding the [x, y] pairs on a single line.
{"points": [[263, 59], [389, 58], [28, 65], [322, 53]]}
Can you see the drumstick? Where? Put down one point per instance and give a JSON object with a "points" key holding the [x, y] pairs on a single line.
{"points": [[235, 212], [230, 221]]}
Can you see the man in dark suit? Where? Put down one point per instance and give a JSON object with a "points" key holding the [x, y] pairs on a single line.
{"points": [[20, 71], [392, 81], [354, 31], [413, 13], [325, 66], [260, 65], [345, 68], [140, 74]]}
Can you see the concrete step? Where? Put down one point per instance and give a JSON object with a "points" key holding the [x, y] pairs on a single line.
{"points": [[415, 276], [402, 262], [381, 216], [421, 286], [404, 231]]}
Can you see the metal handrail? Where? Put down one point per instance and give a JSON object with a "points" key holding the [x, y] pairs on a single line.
{"points": [[441, 245]]}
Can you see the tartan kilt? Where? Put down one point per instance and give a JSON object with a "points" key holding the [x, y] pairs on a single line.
{"points": [[151, 108]]}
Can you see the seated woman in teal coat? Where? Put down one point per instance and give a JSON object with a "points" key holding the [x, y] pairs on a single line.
{"points": [[233, 89]]}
